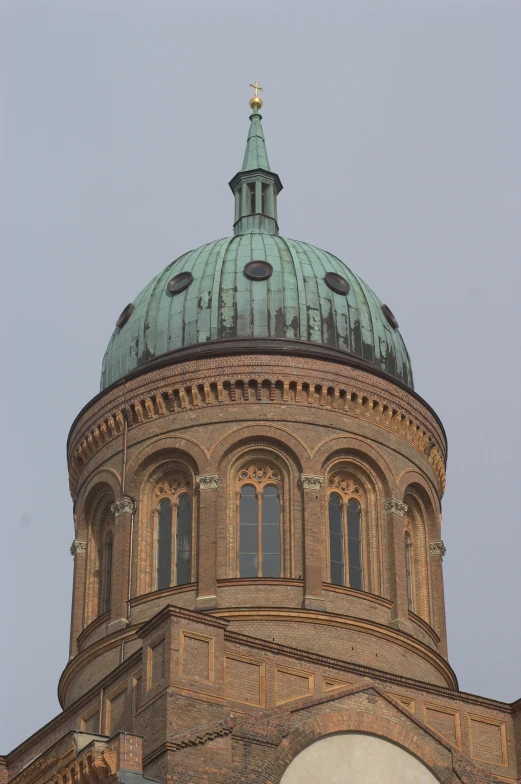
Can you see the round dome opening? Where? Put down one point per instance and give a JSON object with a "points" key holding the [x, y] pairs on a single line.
{"points": [[125, 315], [389, 315], [180, 282], [258, 270], [336, 283]]}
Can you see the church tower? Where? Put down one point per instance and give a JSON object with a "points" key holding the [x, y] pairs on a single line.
{"points": [[258, 575]]}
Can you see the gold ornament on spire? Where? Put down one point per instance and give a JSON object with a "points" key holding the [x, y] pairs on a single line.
{"points": [[256, 101]]}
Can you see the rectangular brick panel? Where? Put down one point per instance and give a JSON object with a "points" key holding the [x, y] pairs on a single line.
{"points": [[196, 657], [290, 685], [444, 721], [244, 681], [157, 662], [488, 740]]}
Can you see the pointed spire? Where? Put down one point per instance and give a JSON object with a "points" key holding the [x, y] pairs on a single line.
{"points": [[255, 156], [255, 186]]}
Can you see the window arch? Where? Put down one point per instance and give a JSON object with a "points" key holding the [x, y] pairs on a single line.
{"points": [[345, 532], [174, 532], [259, 518], [107, 572], [408, 571]]}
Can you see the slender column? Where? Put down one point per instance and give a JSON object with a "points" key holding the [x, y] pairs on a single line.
{"points": [[207, 541], [437, 551], [123, 511], [78, 551], [395, 511], [313, 505]]}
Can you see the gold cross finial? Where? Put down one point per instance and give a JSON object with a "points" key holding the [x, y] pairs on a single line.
{"points": [[256, 101]]}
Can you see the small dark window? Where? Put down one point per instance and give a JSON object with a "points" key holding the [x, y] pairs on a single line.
{"points": [[125, 315], [264, 190], [389, 315], [251, 194], [180, 282], [258, 270], [336, 283]]}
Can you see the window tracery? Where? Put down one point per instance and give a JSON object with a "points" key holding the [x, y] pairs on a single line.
{"points": [[173, 531], [345, 531], [259, 518]]}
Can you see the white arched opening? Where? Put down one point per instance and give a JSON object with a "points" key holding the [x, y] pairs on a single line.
{"points": [[354, 758]]}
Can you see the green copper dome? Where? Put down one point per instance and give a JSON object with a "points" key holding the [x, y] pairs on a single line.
{"points": [[284, 300]]}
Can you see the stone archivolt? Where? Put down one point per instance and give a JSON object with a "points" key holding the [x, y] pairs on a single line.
{"points": [[171, 401]]}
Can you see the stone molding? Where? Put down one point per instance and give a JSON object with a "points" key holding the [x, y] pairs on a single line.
{"points": [[308, 482], [392, 506], [125, 505], [377, 407], [438, 548], [78, 547], [208, 482]]}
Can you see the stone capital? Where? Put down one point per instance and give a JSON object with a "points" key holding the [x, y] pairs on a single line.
{"points": [[125, 505], [208, 482], [308, 482], [438, 548], [392, 506], [78, 547]]}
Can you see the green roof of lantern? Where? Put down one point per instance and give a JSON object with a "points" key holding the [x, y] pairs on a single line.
{"points": [[223, 304]]}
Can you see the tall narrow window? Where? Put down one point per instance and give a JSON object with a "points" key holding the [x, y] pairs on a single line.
{"points": [[354, 546], [345, 533], [336, 539], [183, 540], [251, 196], [164, 544], [174, 532], [260, 552], [107, 571], [408, 571]]}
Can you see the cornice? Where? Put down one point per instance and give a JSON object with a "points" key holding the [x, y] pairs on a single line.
{"points": [[169, 397]]}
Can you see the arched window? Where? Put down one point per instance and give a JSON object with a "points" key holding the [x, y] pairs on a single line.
{"points": [[408, 571], [260, 548], [345, 532], [174, 533], [107, 572]]}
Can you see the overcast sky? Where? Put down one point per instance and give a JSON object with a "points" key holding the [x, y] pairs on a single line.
{"points": [[395, 129]]}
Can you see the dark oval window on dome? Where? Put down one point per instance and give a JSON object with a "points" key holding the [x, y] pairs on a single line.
{"points": [[125, 315], [180, 282], [258, 270], [336, 283], [389, 315]]}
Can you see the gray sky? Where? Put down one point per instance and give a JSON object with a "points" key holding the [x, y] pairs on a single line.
{"points": [[395, 128]]}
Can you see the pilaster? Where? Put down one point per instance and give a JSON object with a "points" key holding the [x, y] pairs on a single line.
{"points": [[313, 507], [123, 511], [395, 512], [207, 546], [79, 553]]}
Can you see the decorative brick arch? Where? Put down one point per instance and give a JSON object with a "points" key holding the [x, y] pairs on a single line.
{"points": [[402, 734]]}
